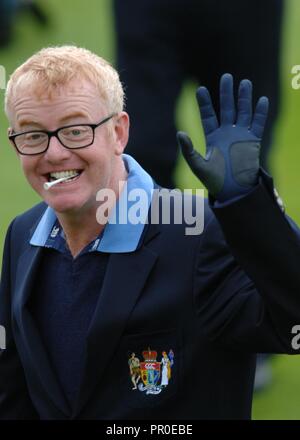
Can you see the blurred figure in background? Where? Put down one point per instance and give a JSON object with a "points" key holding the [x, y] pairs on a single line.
{"points": [[162, 43], [9, 10]]}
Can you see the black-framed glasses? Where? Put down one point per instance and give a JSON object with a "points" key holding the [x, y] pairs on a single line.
{"points": [[76, 136]]}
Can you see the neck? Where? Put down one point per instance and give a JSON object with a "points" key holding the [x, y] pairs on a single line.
{"points": [[80, 232], [80, 228]]}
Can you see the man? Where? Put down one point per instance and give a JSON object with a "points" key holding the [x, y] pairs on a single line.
{"points": [[79, 293], [134, 368]]}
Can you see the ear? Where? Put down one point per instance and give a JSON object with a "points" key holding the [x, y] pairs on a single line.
{"points": [[9, 132], [121, 132]]}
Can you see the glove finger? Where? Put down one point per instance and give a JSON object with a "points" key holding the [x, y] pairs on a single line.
{"points": [[244, 116], [185, 144], [208, 115], [260, 116], [227, 107], [193, 158]]}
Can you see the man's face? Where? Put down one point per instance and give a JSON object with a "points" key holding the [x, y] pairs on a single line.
{"points": [[99, 165]]}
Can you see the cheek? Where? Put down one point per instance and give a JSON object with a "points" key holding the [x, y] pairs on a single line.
{"points": [[99, 162], [25, 164], [101, 173], [29, 165]]}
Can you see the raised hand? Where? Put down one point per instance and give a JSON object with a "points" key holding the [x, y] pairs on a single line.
{"points": [[230, 167]]}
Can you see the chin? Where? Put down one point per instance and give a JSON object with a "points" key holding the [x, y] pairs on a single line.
{"points": [[66, 205], [63, 209]]}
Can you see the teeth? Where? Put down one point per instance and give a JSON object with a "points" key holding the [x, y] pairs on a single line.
{"points": [[68, 173]]}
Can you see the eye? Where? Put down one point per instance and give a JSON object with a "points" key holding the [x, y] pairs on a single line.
{"points": [[34, 137], [76, 135], [76, 132]]}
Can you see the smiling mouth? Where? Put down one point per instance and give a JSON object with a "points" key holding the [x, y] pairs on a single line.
{"points": [[69, 175]]}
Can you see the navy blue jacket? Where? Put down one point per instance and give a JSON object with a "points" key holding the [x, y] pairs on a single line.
{"points": [[179, 293]]}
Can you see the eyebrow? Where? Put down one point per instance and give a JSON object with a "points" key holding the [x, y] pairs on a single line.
{"points": [[24, 122], [63, 120], [72, 116]]}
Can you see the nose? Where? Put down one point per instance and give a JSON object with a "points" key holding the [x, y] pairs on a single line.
{"points": [[56, 151]]}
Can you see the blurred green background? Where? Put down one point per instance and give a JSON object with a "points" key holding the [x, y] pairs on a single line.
{"points": [[89, 23]]}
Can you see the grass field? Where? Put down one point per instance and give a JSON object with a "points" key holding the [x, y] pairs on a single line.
{"points": [[90, 24]]}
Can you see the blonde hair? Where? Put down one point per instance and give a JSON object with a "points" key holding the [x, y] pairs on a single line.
{"points": [[53, 67]]}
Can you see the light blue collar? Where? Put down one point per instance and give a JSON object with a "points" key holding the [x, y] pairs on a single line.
{"points": [[117, 237]]}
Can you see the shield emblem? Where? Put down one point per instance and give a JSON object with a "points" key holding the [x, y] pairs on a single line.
{"points": [[151, 376], [150, 373]]}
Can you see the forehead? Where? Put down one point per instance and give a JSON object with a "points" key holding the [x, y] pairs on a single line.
{"points": [[34, 103]]}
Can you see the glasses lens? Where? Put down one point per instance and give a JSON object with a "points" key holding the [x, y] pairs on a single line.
{"points": [[32, 143], [76, 136]]}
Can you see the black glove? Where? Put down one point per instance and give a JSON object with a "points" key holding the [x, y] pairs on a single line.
{"points": [[231, 165]]}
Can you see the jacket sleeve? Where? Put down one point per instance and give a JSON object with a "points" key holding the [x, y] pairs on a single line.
{"points": [[265, 242], [15, 402], [247, 276]]}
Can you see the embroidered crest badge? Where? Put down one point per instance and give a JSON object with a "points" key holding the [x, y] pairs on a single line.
{"points": [[151, 376]]}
